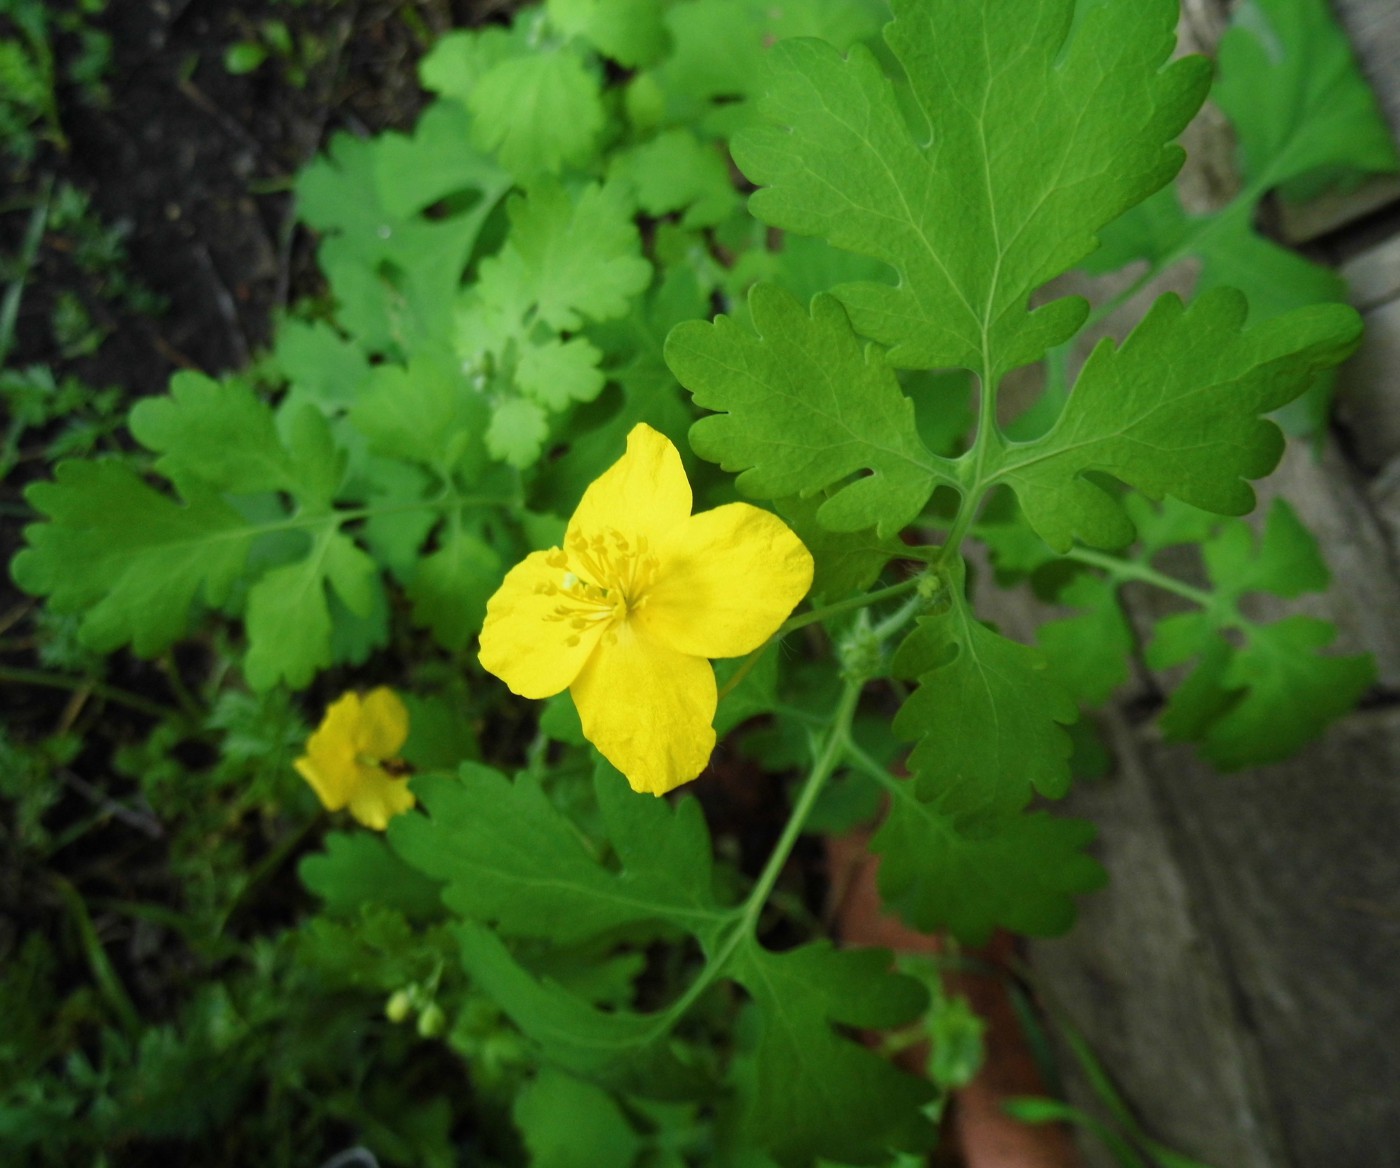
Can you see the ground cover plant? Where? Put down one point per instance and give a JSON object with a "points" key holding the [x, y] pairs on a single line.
{"points": [[668, 335]]}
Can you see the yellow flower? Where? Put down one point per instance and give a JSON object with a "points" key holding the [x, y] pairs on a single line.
{"points": [[352, 760], [627, 612]]}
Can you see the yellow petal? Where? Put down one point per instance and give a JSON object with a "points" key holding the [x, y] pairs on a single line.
{"points": [[648, 709], [332, 784], [524, 642], [378, 797], [644, 493], [725, 581], [329, 762], [383, 724]]}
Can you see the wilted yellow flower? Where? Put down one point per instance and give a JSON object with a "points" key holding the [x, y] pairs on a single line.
{"points": [[627, 612], [352, 758]]}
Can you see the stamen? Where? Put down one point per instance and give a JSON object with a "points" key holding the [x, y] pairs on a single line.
{"points": [[603, 576]]}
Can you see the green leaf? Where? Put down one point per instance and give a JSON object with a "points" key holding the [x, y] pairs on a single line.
{"points": [[517, 432], [1261, 702], [1286, 560], [1174, 410], [450, 587], [569, 1123], [632, 348], [393, 270], [675, 171], [557, 373], [1019, 871], [988, 713], [806, 406], [845, 561], [1302, 110], [426, 413], [244, 57], [631, 32], [617, 1047], [358, 868], [323, 366], [130, 559], [539, 112], [1259, 691], [582, 253], [289, 617], [820, 1094], [509, 857], [664, 849], [218, 433], [1306, 120], [1032, 132], [1088, 653], [719, 47]]}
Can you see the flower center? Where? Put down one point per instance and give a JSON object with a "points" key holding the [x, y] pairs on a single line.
{"points": [[602, 579], [390, 768]]}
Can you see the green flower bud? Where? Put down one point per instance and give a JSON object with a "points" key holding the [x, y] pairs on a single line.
{"points": [[397, 1008], [432, 1021]]}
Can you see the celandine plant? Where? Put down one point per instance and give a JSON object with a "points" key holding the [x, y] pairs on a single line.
{"points": [[521, 331]]}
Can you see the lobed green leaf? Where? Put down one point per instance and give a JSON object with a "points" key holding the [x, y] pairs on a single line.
{"points": [[130, 559], [988, 714], [806, 406], [1174, 410], [970, 875], [1031, 132], [819, 1094]]}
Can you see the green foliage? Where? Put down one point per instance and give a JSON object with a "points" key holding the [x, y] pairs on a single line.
{"points": [[1306, 121], [805, 407], [1261, 700], [510, 859], [1175, 410], [513, 285], [971, 228], [988, 713]]}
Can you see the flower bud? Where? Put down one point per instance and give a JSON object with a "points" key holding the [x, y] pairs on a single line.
{"points": [[397, 1008], [432, 1021]]}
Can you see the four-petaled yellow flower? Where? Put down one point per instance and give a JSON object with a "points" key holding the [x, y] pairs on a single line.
{"points": [[626, 614], [352, 758]]}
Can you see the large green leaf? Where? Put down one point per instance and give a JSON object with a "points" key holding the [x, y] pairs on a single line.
{"points": [[818, 1093], [1176, 409], [970, 875], [806, 406], [510, 858], [988, 714], [1032, 131]]}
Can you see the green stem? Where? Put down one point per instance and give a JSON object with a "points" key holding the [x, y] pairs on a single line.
{"points": [[827, 760], [109, 985], [1121, 570], [865, 600], [747, 914], [186, 700], [97, 688], [1201, 229], [29, 250]]}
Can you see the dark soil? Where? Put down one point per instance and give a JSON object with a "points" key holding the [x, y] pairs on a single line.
{"points": [[188, 171]]}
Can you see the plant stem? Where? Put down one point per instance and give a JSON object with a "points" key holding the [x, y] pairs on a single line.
{"points": [[98, 688], [29, 250], [863, 601], [747, 914], [1122, 570], [827, 760], [811, 618]]}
